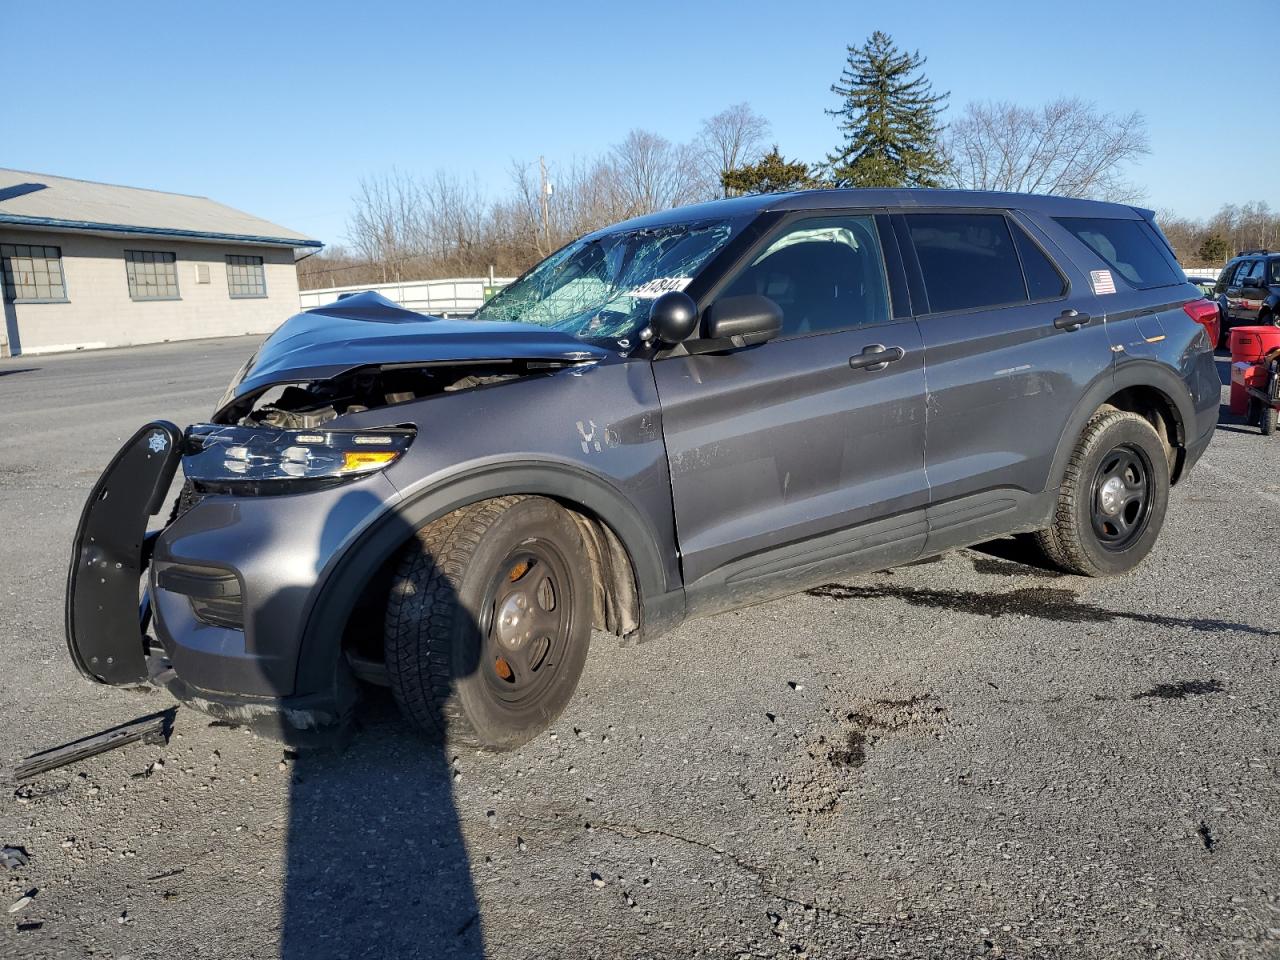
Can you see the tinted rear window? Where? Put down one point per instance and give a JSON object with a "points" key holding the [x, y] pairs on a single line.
{"points": [[1127, 247], [1044, 282], [967, 259]]}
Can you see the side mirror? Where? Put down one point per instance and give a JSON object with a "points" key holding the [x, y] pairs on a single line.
{"points": [[673, 316], [1251, 283], [743, 320]]}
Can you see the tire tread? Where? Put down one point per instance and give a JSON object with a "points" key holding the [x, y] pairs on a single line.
{"points": [[1062, 541], [421, 618]]}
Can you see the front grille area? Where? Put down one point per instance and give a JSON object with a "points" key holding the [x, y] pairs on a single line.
{"points": [[187, 498]]}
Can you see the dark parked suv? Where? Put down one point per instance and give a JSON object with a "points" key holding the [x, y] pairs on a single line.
{"points": [[671, 417], [1248, 290]]}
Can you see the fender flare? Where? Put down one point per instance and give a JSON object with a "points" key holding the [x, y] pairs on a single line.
{"points": [[340, 583], [1270, 306], [1135, 373]]}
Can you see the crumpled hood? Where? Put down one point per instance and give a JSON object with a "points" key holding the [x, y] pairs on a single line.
{"points": [[368, 329]]}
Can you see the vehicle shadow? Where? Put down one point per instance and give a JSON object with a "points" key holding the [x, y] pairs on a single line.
{"points": [[1018, 549], [13, 336], [376, 862]]}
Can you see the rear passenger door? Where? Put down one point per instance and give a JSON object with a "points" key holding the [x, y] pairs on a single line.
{"points": [[1008, 350], [803, 457]]}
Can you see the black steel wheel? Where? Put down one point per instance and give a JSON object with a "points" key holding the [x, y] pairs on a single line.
{"points": [[526, 622], [1121, 496], [489, 620], [1113, 498]]}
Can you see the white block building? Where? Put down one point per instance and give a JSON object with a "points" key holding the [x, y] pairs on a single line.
{"points": [[97, 265]]}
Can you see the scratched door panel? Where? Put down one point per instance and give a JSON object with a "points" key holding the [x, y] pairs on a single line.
{"points": [[784, 442], [1002, 382]]}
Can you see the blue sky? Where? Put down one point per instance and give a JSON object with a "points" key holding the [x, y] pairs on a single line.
{"points": [[279, 109]]}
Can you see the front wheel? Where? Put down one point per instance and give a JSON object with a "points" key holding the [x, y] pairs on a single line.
{"points": [[489, 621], [1113, 498]]}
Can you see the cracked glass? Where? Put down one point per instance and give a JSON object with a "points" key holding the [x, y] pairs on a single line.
{"points": [[601, 287]]}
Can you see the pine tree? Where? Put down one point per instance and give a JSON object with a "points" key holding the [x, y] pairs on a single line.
{"points": [[1213, 249], [889, 117], [772, 173]]}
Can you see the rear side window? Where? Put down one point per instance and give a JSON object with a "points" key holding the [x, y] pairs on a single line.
{"points": [[1127, 247], [1273, 274], [968, 260], [1044, 282]]}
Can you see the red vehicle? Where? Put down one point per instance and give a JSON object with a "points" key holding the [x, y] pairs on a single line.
{"points": [[1255, 375]]}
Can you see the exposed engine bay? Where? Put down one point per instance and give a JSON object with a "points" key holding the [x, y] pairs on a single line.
{"points": [[302, 406]]}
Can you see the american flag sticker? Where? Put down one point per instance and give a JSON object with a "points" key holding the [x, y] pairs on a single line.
{"points": [[1102, 281]]}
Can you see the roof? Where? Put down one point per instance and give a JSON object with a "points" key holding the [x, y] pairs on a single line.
{"points": [[78, 206], [915, 197]]}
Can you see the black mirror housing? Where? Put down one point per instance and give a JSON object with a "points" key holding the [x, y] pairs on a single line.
{"points": [[743, 320], [673, 316]]}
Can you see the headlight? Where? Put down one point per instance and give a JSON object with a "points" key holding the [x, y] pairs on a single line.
{"points": [[223, 454]]}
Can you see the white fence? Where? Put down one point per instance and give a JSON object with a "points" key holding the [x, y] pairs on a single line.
{"points": [[460, 296], [463, 296]]}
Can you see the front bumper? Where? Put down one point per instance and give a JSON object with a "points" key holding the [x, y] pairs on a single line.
{"points": [[263, 560]]}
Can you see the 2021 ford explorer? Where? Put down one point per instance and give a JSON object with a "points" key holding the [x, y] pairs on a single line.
{"points": [[670, 417]]}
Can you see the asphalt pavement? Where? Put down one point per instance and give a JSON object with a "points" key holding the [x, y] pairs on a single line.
{"points": [[973, 756]]}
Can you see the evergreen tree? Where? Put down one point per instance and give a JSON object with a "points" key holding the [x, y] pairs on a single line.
{"points": [[889, 117], [1213, 249], [772, 173]]}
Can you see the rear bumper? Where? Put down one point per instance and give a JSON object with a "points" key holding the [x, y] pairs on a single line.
{"points": [[1195, 450]]}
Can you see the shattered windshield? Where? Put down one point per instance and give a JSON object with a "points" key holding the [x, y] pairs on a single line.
{"points": [[601, 287]]}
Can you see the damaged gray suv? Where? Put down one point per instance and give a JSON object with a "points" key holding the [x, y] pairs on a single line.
{"points": [[668, 418]]}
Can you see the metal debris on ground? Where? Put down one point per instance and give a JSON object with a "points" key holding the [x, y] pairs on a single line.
{"points": [[176, 871], [22, 901], [11, 858], [152, 729]]}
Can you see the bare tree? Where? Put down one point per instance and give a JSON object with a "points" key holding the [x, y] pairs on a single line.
{"points": [[438, 225], [651, 173], [733, 138], [377, 228], [1067, 147]]}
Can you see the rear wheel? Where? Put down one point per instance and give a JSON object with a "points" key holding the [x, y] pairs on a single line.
{"points": [[1113, 498], [489, 621]]}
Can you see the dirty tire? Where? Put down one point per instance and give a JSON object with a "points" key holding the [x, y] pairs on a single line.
{"points": [[440, 648], [1072, 542], [1267, 419]]}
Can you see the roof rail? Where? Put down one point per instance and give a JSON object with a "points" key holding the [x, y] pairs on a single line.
{"points": [[1249, 253]]}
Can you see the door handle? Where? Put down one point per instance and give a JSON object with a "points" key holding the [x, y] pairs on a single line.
{"points": [[1071, 320], [876, 356]]}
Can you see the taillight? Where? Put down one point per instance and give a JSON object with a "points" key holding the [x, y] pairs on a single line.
{"points": [[1205, 313]]}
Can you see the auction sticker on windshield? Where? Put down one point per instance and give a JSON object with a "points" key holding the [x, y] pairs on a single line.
{"points": [[658, 286]]}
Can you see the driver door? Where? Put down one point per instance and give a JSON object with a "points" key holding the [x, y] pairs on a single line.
{"points": [[802, 458]]}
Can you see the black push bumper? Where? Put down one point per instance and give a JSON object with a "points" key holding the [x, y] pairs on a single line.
{"points": [[106, 616], [112, 635]]}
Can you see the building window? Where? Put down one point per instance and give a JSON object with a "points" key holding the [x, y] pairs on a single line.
{"points": [[32, 272], [245, 276], [152, 275]]}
